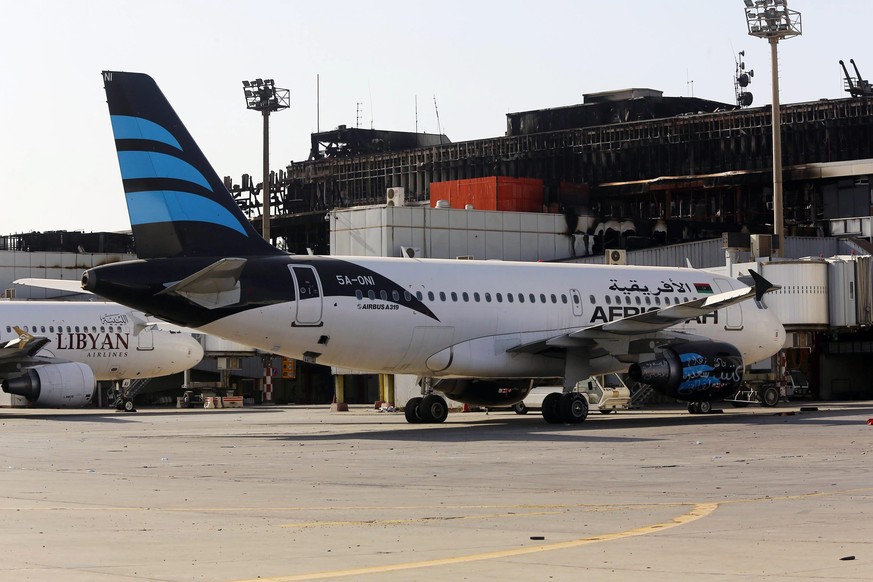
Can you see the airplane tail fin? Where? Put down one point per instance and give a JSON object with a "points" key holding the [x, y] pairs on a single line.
{"points": [[178, 206]]}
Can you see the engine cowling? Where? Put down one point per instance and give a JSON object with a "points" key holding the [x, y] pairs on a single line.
{"points": [[695, 372], [484, 392], [68, 385]]}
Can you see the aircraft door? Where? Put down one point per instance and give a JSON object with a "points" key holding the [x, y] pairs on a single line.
{"points": [[734, 313], [576, 300], [307, 289], [145, 339]]}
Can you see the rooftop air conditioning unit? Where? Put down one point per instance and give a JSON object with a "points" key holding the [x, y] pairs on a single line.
{"points": [[411, 252], [395, 197], [616, 257]]}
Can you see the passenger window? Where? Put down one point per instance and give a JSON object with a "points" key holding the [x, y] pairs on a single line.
{"points": [[383, 295], [576, 299], [563, 299], [407, 296], [476, 297], [77, 329], [68, 329], [465, 296], [608, 300], [395, 295], [554, 299], [358, 294], [488, 297], [542, 297], [627, 299], [532, 297], [8, 329], [657, 300], [499, 298], [454, 296], [442, 296], [509, 297], [648, 300], [418, 295], [42, 329], [638, 300], [591, 299], [430, 295], [371, 294], [51, 329], [521, 297]]}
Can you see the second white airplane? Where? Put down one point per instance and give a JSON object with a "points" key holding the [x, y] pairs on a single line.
{"points": [[54, 352], [482, 331]]}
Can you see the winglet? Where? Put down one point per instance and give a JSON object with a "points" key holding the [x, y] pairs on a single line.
{"points": [[762, 285]]}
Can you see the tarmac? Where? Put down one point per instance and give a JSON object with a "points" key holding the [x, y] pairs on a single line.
{"points": [[300, 493]]}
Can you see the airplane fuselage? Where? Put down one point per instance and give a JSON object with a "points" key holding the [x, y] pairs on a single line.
{"points": [[436, 317]]}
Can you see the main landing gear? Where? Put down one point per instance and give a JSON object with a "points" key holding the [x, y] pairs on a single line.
{"points": [[704, 407], [568, 408], [431, 408]]}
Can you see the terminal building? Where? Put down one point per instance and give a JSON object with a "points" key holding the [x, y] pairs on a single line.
{"points": [[650, 178]]}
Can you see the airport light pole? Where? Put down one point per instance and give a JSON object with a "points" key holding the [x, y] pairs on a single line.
{"points": [[771, 19], [262, 95]]}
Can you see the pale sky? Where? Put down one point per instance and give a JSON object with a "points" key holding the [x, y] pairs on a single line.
{"points": [[480, 60]]}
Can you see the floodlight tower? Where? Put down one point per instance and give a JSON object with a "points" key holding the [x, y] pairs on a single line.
{"points": [[262, 95], [771, 19]]}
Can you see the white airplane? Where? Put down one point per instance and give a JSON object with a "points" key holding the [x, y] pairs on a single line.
{"points": [[54, 352], [480, 330]]}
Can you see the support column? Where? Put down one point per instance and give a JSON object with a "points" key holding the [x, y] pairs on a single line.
{"points": [[339, 396], [267, 388], [389, 389]]}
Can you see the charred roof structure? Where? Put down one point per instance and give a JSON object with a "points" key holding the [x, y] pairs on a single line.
{"points": [[701, 167]]}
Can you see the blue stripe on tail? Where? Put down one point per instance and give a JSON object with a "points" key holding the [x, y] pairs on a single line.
{"points": [[173, 206], [127, 127], [136, 165]]}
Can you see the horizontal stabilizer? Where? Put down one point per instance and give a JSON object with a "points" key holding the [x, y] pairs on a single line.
{"points": [[56, 284], [212, 287]]}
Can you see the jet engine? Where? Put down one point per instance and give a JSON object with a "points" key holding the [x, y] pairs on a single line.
{"points": [[484, 392], [68, 385], [695, 372]]}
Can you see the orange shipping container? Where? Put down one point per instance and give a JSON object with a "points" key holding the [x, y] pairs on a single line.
{"points": [[491, 193]]}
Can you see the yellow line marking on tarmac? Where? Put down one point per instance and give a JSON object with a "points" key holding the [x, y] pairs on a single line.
{"points": [[698, 511]]}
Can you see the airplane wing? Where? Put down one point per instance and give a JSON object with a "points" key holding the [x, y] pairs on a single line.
{"points": [[56, 284], [650, 323], [25, 345]]}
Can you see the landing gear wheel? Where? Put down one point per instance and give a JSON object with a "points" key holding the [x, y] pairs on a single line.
{"points": [[433, 409], [411, 410], [704, 407], [520, 408], [770, 396], [128, 405], [550, 408], [694, 407], [573, 407]]}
